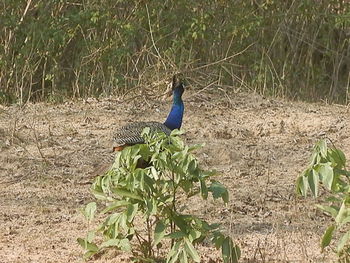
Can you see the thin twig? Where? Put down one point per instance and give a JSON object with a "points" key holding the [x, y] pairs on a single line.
{"points": [[224, 59], [37, 143], [152, 38]]}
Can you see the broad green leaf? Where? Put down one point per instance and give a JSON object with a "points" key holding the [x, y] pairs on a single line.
{"points": [[313, 181], [131, 212], [327, 237], [163, 157], [230, 252], [149, 184], [209, 173], [337, 157], [145, 151], [323, 148], [204, 189], [343, 241], [341, 171], [90, 236], [115, 205], [87, 245], [343, 216], [326, 174], [329, 209], [236, 252], [313, 158], [174, 253], [125, 193], [177, 132], [176, 235], [114, 242], [180, 223], [145, 132], [112, 219], [186, 156], [139, 182], [178, 156], [196, 147], [301, 189], [191, 251], [187, 186], [194, 234], [159, 232], [117, 163], [123, 221], [183, 256], [343, 213], [208, 227], [89, 254], [346, 220], [306, 181], [192, 167], [100, 195], [177, 142], [151, 206], [218, 239], [333, 199], [134, 150], [174, 257], [124, 245], [154, 173], [89, 211], [218, 190], [226, 249]]}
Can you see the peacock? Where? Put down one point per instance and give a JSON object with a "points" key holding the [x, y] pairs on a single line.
{"points": [[130, 134]]}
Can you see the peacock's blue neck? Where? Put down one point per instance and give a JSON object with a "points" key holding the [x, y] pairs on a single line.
{"points": [[174, 119]]}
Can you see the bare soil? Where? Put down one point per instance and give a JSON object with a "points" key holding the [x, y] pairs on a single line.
{"points": [[49, 154]]}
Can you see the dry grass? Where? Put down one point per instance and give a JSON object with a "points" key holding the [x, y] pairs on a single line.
{"points": [[48, 153]]}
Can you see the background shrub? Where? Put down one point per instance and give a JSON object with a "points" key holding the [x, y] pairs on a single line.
{"points": [[56, 49]]}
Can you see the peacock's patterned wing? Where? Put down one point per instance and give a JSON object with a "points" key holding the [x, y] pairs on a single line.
{"points": [[130, 134]]}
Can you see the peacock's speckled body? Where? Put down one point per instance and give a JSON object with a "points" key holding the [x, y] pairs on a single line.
{"points": [[130, 134]]}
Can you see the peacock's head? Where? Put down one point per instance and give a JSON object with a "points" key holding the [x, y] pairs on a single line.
{"points": [[178, 85]]}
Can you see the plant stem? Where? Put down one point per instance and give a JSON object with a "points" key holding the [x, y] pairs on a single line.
{"points": [[173, 209], [139, 237], [149, 242]]}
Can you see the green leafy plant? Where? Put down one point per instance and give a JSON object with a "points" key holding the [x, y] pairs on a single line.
{"points": [[145, 208], [327, 167]]}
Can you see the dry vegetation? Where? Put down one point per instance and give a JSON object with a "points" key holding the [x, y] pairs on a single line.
{"points": [[51, 50], [49, 152]]}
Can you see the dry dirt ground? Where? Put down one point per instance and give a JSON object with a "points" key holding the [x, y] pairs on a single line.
{"points": [[48, 153]]}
